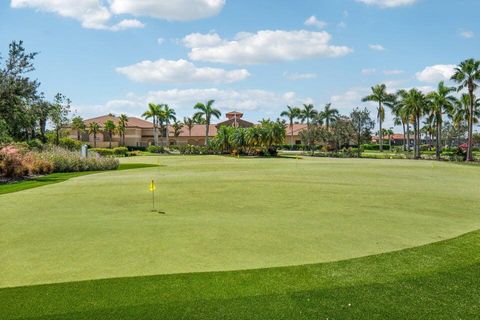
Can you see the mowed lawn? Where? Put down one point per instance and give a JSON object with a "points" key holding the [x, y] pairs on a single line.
{"points": [[224, 213], [84, 248]]}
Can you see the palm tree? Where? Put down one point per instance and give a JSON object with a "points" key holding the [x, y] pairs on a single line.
{"points": [[79, 126], [400, 118], [379, 95], [461, 111], [414, 103], [440, 102], [122, 127], [177, 128], [467, 75], [239, 139], [329, 115], [189, 123], [167, 114], [206, 112], [291, 114], [153, 112], [94, 128], [389, 133], [306, 114], [109, 127]]}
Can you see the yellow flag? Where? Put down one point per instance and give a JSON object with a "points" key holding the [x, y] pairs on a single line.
{"points": [[152, 186]]}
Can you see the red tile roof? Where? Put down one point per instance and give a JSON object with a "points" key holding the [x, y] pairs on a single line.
{"points": [[132, 121]]}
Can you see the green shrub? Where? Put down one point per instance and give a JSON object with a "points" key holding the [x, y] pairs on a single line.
{"points": [[35, 144], [196, 150], [374, 147], [156, 149], [102, 151], [120, 151], [69, 144], [137, 149]]}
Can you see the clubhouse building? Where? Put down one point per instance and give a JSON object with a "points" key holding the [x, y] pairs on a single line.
{"points": [[139, 132]]}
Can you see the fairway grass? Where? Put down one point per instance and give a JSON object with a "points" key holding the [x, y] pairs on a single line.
{"points": [[225, 213]]}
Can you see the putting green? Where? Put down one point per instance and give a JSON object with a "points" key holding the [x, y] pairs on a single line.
{"points": [[226, 214]]}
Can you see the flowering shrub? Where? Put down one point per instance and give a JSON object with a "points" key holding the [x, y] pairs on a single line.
{"points": [[71, 161], [17, 163]]}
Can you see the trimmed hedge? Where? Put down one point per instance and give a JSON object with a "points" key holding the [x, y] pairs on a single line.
{"points": [[156, 149]]}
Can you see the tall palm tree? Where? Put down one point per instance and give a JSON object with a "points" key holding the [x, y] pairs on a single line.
{"points": [[109, 127], [122, 127], [415, 103], [167, 114], [467, 75], [94, 128], [206, 112], [379, 95], [461, 111], [329, 115], [291, 114], [441, 101], [189, 123], [400, 117], [153, 112], [307, 114], [79, 126]]}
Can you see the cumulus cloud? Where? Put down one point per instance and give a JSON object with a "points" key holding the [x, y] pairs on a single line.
{"points": [[263, 46], [266, 103], [436, 73], [388, 3], [377, 47], [178, 10], [299, 76], [97, 14], [179, 71], [314, 22]]}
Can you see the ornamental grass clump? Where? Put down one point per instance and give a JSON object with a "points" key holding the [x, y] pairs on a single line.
{"points": [[71, 161]]}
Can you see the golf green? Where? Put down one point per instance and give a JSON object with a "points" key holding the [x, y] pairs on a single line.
{"points": [[224, 213]]}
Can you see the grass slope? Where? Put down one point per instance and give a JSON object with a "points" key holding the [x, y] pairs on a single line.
{"points": [[436, 281], [59, 177], [230, 214]]}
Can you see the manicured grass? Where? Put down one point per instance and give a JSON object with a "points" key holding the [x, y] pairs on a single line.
{"points": [[436, 281], [227, 214], [59, 177]]}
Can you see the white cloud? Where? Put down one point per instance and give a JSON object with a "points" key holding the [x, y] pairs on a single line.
{"points": [[179, 71], [377, 47], [195, 40], [436, 73], [127, 24], [467, 34], [266, 103], [160, 41], [97, 14], [91, 13], [368, 72], [314, 22], [263, 46], [393, 72], [388, 3], [177, 10], [299, 76]]}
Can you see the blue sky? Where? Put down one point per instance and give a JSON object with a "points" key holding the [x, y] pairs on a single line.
{"points": [[253, 56]]}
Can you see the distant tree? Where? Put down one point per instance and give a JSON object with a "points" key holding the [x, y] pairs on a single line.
{"points": [[206, 112], [363, 124], [59, 114], [467, 75], [153, 112], [177, 128], [167, 115], [122, 127], [329, 115], [441, 102], [307, 114], [189, 123], [94, 128], [79, 126], [109, 128], [379, 95], [291, 114], [343, 132]]}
